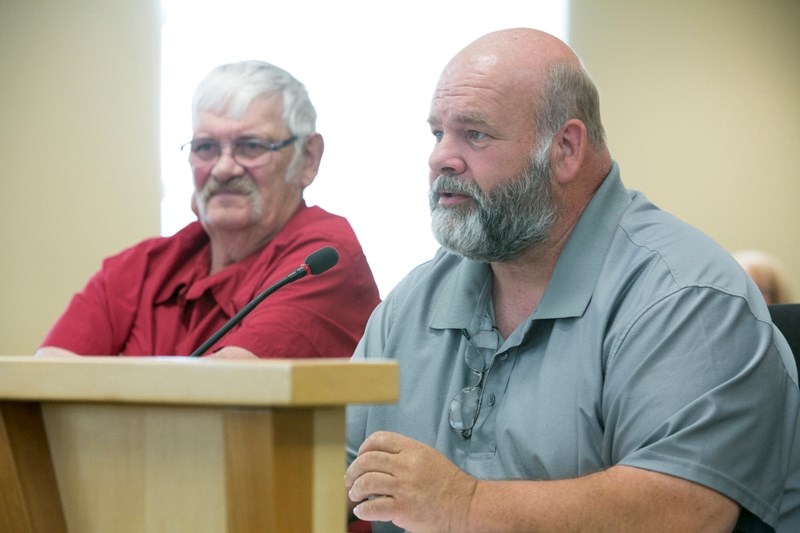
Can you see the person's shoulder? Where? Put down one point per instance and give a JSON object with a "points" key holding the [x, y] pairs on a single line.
{"points": [[315, 226], [690, 255], [317, 215], [314, 220]]}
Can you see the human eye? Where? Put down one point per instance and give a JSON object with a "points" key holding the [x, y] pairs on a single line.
{"points": [[204, 146], [204, 149], [476, 135], [437, 134], [251, 148]]}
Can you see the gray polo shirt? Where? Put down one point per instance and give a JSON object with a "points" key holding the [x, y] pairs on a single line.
{"points": [[650, 348]]}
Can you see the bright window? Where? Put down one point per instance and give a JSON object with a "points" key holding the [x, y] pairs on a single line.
{"points": [[370, 69]]}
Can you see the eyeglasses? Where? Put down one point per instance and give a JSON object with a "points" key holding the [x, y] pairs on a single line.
{"points": [[247, 151], [466, 405]]}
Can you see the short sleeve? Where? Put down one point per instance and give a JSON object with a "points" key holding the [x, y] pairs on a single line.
{"points": [[690, 391]]}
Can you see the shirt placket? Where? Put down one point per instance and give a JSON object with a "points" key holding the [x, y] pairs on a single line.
{"points": [[482, 443]]}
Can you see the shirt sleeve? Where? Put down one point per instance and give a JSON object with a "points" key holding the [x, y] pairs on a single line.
{"points": [[98, 318], [690, 391], [371, 343]]}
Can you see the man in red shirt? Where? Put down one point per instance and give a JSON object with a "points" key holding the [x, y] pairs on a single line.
{"points": [[253, 152]]}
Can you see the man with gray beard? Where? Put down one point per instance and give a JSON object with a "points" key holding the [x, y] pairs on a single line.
{"points": [[253, 152], [573, 358], [503, 223]]}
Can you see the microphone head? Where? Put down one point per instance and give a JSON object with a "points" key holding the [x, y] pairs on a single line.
{"points": [[322, 260]]}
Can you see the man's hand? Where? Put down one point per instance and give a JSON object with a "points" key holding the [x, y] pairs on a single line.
{"points": [[395, 478], [409, 483], [54, 351]]}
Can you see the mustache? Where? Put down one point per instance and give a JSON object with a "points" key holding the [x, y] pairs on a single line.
{"points": [[453, 185], [234, 186]]}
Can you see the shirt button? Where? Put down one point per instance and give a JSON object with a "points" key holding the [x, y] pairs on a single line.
{"points": [[503, 356], [490, 400]]}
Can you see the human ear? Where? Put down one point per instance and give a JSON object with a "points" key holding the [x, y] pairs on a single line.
{"points": [[569, 149], [312, 156]]}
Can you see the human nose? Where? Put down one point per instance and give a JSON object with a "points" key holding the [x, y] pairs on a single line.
{"points": [[446, 158], [226, 166]]}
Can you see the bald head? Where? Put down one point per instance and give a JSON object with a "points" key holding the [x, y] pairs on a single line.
{"points": [[514, 58], [518, 49], [539, 70]]}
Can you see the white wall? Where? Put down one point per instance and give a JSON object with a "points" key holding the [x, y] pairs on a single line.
{"points": [[370, 71]]}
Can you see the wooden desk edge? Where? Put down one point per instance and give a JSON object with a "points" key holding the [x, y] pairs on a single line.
{"points": [[193, 381]]}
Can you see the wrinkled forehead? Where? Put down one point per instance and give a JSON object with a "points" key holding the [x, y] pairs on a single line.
{"points": [[482, 84], [237, 105], [503, 70], [464, 68], [483, 63], [263, 115]]}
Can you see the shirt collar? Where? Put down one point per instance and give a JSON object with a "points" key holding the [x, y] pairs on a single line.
{"points": [[191, 267], [194, 254], [578, 267], [464, 294]]}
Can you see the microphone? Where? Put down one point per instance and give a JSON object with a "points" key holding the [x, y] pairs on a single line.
{"points": [[316, 263]]}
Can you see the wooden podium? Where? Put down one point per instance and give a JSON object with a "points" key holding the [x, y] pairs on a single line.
{"points": [[174, 444]]}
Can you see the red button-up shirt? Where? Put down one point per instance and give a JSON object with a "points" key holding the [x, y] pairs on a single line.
{"points": [[157, 298]]}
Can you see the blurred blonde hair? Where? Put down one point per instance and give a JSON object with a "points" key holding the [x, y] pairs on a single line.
{"points": [[768, 274]]}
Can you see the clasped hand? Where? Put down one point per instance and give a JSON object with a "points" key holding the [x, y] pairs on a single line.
{"points": [[397, 479]]}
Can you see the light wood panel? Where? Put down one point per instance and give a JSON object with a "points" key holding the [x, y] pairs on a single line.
{"points": [[155, 444], [198, 381], [29, 499]]}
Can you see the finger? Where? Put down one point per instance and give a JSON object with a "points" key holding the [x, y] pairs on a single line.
{"points": [[372, 484], [357, 468], [379, 509], [371, 461], [384, 441]]}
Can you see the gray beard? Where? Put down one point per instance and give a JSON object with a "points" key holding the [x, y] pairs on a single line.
{"points": [[501, 225]]}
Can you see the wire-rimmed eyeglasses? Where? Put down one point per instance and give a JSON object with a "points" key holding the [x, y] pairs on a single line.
{"points": [[466, 405], [246, 151]]}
